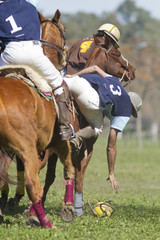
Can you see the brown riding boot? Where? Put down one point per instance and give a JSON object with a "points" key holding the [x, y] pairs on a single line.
{"points": [[62, 99], [77, 142]]}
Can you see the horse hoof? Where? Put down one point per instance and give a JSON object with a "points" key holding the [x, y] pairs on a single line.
{"points": [[33, 221], [1, 216], [12, 204], [26, 214], [67, 213], [3, 202]]}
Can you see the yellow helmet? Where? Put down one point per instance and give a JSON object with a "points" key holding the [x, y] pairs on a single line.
{"points": [[112, 31]]}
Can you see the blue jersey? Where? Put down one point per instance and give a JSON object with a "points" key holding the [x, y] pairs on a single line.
{"points": [[111, 91], [19, 21]]}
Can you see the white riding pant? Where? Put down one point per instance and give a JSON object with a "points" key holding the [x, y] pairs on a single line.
{"points": [[31, 53], [88, 101]]}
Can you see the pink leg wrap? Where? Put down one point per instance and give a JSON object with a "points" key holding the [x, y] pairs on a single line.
{"points": [[41, 214], [69, 183], [31, 210]]}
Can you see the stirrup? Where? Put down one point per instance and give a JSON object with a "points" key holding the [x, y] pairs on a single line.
{"points": [[67, 133], [76, 144]]}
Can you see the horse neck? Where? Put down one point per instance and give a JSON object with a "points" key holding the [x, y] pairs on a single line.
{"points": [[96, 59], [48, 51], [52, 55], [52, 35]]}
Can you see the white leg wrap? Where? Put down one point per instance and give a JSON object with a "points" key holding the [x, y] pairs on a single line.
{"points": [[78, 202]]}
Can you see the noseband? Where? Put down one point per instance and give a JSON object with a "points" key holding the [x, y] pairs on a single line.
{"points": [[127, 72], [52, 44]]}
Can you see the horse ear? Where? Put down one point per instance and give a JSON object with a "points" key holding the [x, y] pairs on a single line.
{"points": [[41, 17], [56, 16], [98, 40]]}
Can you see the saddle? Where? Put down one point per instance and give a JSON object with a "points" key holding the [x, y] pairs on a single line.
{"points": [[34, 79], [29, 75]]}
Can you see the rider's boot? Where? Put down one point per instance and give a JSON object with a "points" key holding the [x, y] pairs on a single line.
{"points": [[62, 99], [82, 134]]}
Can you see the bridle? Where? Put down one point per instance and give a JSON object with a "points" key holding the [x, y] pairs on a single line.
{"points": [[126, 72], [53, 45]]}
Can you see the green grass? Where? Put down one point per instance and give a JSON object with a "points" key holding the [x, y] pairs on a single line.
{"points": [[137, 203]]}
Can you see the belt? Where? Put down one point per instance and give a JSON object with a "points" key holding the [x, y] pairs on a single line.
{"points": [[35, 42], [25, 43]]}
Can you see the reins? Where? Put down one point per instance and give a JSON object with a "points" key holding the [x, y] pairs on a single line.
{"points": [[52, 44], [121, 79]]}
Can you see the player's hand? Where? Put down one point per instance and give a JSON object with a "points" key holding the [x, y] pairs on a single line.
{"points": [[113, 181]]}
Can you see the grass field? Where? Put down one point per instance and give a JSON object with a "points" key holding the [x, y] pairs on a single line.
{"points": [[137, 203]]}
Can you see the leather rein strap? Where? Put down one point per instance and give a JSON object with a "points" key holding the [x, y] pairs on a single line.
{"points": [[52, 44]]}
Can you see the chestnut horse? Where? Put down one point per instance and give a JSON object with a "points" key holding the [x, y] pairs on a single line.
{"points": [[27, 124], [110, 60]]}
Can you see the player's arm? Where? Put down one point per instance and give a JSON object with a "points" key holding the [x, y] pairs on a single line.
{"points": [[111, 156], [90, 70]]}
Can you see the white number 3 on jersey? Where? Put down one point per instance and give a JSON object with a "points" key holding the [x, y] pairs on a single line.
{"points": [[115, 91]]}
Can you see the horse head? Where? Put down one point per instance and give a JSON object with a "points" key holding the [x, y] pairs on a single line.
{"points": [[110, 60], [53, 40]]}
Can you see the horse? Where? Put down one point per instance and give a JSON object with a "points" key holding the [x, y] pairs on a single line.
{"points": [[85, 52], [110, 60], [28, 124]]}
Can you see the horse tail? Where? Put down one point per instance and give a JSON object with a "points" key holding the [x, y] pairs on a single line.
{"points": [[44, 158], [5, 158], [5, 162]]}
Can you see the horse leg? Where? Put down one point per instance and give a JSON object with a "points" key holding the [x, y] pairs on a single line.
{"points": [[81, 166], [4, 196], [20, 179], [32, 218], [3, 199], [50, 175], [63, 151], [33, 185], [4, 189], [13, 202]]}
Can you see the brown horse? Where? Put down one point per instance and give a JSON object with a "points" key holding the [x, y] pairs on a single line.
{"points": [[27, 124], [85, 52], [111, 61]]}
